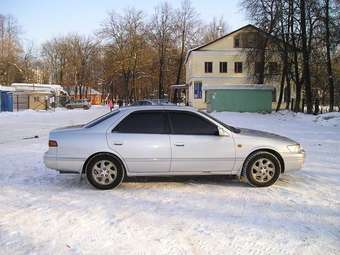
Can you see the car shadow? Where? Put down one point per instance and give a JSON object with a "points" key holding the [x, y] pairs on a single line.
{"points": [[220, 180]]}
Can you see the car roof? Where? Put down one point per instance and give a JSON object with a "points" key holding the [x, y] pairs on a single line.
{"points": [[106, 121]]}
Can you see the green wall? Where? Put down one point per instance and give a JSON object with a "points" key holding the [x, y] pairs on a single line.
{"points": [[239, 100]]}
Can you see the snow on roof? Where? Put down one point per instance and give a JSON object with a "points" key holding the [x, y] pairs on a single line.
{"points": [[6, 88], [240, 86], [178, 86], [52, 88]]}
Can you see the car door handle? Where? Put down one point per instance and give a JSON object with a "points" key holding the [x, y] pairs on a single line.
{"points": [[179, 144], [118, 143]]}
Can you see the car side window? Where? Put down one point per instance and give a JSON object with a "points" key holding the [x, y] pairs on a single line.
{"points": [[144, 122], [185, 123]]}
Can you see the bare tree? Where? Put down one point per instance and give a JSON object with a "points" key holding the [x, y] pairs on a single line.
{"points": [[162, 31], [10, 50], [305, 56], [73, 60], [215, 29], [187, 29], [327, 21], [125, 37], [55, 53]]}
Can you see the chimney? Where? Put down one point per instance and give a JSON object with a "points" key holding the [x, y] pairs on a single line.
{"points": [[220, 31]]}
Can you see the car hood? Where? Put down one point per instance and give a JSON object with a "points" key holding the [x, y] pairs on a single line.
{"points": [[267, 135]]}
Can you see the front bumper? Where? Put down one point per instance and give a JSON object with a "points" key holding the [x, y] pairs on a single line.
{"points": [[293, 161]]}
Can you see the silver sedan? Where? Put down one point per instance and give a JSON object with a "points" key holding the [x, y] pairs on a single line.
{"points": [[168, 141]]}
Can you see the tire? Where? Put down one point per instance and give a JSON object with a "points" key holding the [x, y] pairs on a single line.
{"points": [[104, 172], [262, 169]]}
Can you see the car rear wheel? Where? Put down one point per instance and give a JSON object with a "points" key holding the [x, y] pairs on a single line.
{"points": [[262, 169], [104, 172]]}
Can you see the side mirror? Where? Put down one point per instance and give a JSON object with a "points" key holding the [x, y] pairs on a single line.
{"points": [[222, 132]]}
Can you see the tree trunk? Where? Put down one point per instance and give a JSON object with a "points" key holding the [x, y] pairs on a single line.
{"points": [[75, 91], [305, 56], [329, 62], [161, 73], [296, 74], [288, 86], [180, 62], [282, 84], [260, 78]]}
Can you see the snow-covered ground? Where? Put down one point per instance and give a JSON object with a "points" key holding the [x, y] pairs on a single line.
{"points": [[42, 212]]}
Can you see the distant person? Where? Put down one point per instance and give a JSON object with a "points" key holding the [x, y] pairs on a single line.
{"points": [[120, 102], [110, 104]]}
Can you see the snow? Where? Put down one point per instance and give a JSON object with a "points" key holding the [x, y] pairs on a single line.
{"points": [[43, 212]]}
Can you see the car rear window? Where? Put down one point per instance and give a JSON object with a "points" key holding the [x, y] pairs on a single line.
{"points": [[101, 119]]}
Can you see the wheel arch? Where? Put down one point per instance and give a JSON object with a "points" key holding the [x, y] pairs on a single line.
{"points": [[103, 153], [274, 152]]}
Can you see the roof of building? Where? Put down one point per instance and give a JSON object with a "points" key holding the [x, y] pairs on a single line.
{"points": [[50, 88], [240, 87], [6, 88], [226, 35]]}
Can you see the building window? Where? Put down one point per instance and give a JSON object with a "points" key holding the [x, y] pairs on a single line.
{"points": [[208, 67], [236, 42], [197, 89], [223, 67], [273, 68], [238, 67]]}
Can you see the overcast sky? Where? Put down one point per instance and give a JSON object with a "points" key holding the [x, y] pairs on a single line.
{"points": [[41, 20]]}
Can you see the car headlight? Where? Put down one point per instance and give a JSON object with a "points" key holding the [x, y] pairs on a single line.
{"points": [[294, 148]]}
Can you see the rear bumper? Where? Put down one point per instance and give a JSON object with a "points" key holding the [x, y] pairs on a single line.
{"points": [[64, 165], [50, 161], [293, 161]]}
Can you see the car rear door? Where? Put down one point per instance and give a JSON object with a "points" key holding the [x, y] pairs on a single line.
{"points": [[196, 145], [142, 139]]}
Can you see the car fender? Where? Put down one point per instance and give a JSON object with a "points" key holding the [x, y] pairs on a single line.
{"points": [[110, 153]]}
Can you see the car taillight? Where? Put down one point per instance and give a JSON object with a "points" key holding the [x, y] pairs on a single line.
{"points": [[52, 143]]}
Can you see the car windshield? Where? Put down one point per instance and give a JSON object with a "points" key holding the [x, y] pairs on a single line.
{"points": [[101, 119], [231, 128]]}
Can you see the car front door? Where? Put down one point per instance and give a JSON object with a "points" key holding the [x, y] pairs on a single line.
{"points": [[142, 139], [197, 146]]}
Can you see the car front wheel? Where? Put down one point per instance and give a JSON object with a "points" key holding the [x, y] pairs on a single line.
{"points": [[262, 169], [104, 172]]}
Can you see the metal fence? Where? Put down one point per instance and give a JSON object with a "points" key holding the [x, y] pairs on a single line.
{"points": [[37, 102]]}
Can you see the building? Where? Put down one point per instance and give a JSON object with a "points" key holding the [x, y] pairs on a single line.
{"points": [[94, 96], [36, 96], [222, 65], [6, 98]]}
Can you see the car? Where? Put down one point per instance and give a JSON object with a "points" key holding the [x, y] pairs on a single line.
{"points": [[81, 103], [169, 141], [151, 102], [142, 102]]}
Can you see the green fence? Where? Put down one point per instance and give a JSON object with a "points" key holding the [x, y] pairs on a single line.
{"points": [[239, 100]]}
